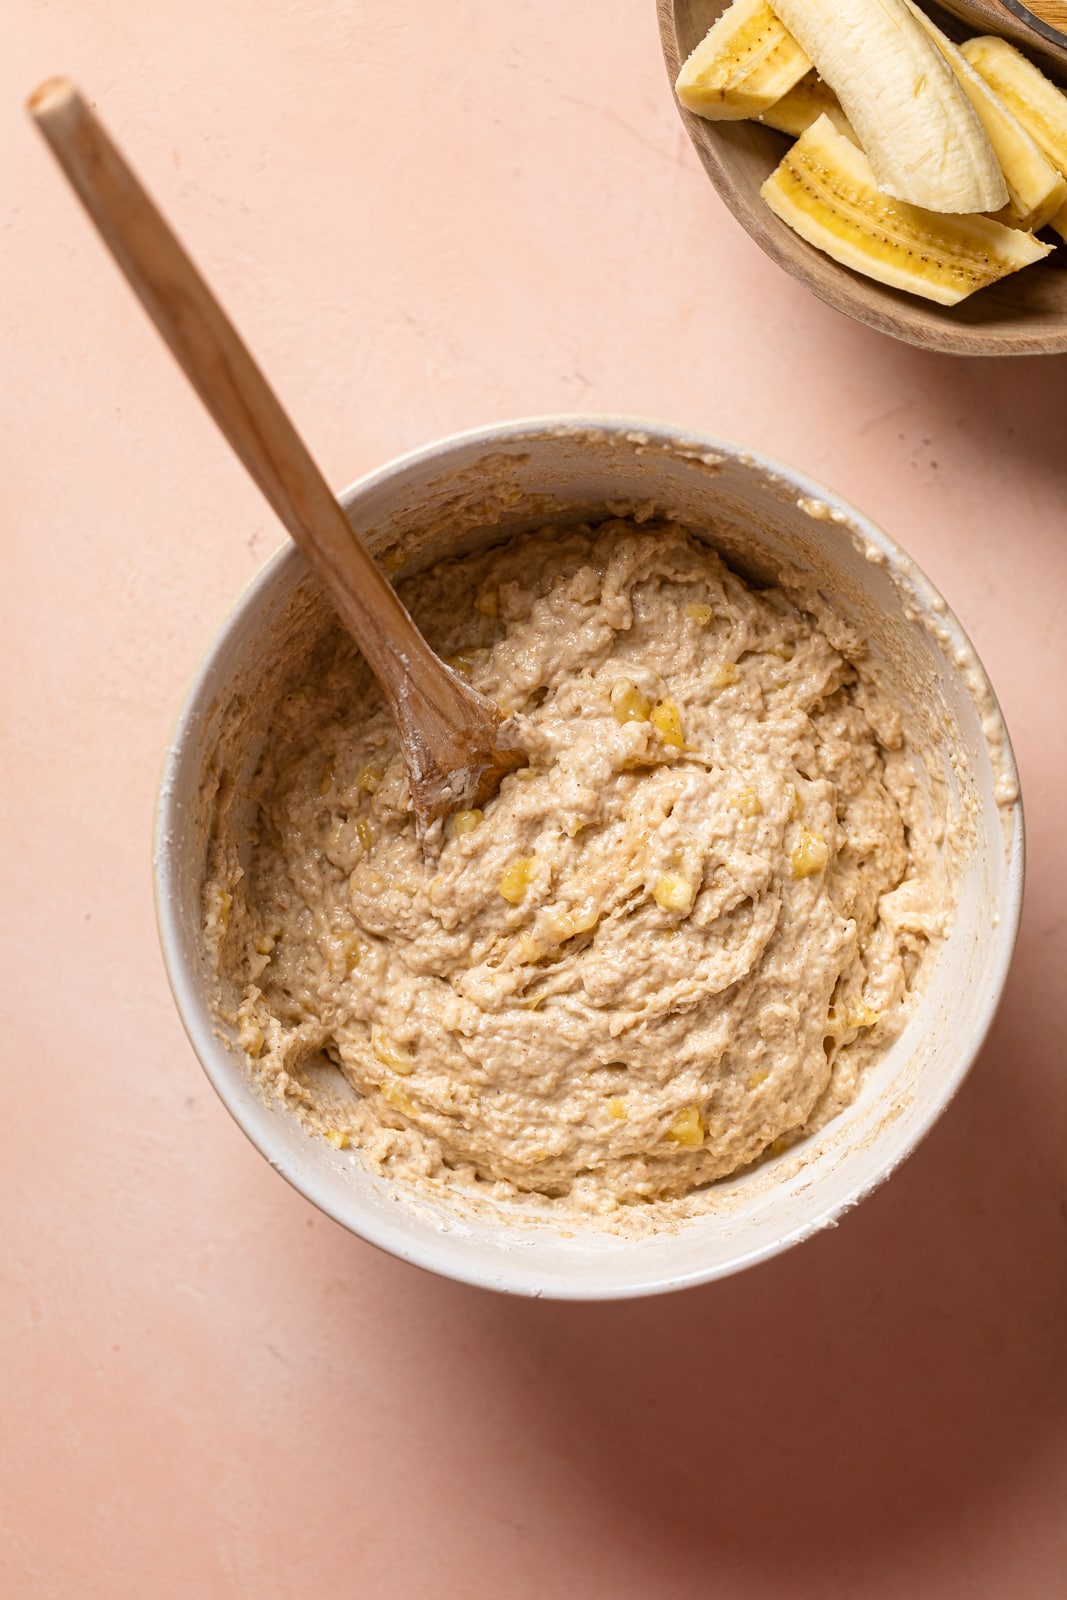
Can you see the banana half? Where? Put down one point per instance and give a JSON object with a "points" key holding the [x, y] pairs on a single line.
{"points": [[825, 189], [745, 63], [1031, 97], [1036, 191], [913, 120]]}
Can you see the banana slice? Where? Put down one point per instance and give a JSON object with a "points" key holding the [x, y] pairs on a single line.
{"points": [[1033, 98], [804, 105], [1036, 191], [746, 63], [1027, 93], [825, 189], [916, 125]]}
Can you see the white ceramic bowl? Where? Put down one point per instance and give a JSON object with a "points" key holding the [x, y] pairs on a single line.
{"points": [[474, 488]]}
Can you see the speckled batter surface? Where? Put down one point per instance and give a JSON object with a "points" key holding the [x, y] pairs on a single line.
{"points": [[672, 942]]}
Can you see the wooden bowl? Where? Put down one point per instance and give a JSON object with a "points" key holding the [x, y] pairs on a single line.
{"points": [[1024, 314]]}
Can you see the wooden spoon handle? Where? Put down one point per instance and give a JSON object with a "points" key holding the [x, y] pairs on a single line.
{"points": [[228, 381]]}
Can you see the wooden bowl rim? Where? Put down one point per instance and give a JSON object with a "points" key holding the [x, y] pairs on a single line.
{"points": [[878, 306], [1048, 31]]}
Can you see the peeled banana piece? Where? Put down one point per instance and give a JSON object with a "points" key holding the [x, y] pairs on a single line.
{"points": [[804, 105], [743, 65], [1036, 190], [825, 190], [1031, 97], [916, 125]]}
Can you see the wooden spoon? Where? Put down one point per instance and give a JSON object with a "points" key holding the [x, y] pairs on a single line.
{"points": [[457, 744]]}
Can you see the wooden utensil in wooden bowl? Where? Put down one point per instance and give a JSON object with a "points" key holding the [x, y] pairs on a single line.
{"points": [[1024, 314]]}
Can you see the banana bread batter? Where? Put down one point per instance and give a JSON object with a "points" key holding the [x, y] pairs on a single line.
{"points": [[670, 943]]}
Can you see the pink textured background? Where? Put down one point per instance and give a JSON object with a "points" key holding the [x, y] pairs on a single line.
{"points": [[425, 217]]}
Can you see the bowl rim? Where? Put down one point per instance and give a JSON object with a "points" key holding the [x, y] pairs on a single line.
{"points": [[232, 1084], [1047, 30], [876, 305]]}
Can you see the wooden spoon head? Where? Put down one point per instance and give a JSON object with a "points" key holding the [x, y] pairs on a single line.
{"points": [[458, 753]]}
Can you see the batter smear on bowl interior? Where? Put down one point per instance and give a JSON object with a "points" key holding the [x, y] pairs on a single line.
{"points": [[672, 942]]}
